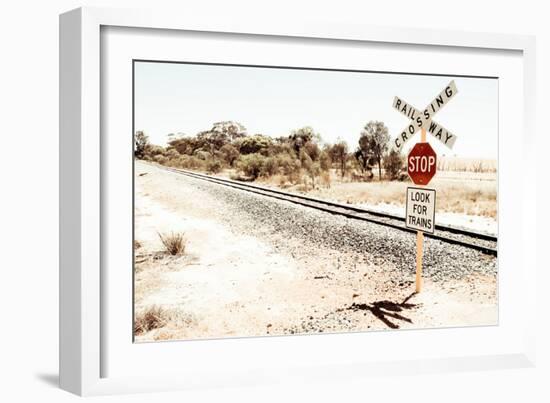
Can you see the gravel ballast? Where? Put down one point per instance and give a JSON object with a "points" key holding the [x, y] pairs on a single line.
{"points": [[282, 223]]}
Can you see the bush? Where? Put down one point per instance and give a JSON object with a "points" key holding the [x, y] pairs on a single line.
{"points": [[325, 179], [286, 163], [305, 159], [313, 170], [194, 163], [154, 150], [187, 162], [173, 242], [324, 161], [213, 166], [171, 154], [160, 159], [269, 167], [295, 176], [230, 154], [237, 177], [312, 150], [251, 165], [203, 155]]}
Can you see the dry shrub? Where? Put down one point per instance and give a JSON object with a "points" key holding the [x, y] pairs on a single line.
{"points": [[163, 323], [251, 165], [153, 317], [137, 244], [160, 159], [186, 162], [213, 166], [281, 181], [325, 179], [295, 177], [174, 242], [240, 178]]}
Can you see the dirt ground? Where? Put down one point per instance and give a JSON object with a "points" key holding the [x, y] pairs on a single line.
{"points": [[230, 284]]}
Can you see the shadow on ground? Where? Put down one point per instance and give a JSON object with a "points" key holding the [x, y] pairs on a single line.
{"points": [[386, 310]]}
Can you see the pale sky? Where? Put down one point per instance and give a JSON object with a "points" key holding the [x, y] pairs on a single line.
{"points": [[189, 98]]}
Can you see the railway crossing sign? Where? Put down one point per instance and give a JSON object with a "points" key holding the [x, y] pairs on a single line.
{"points": [[421, 166], [421, 163], [420, 211], [423, 119]]}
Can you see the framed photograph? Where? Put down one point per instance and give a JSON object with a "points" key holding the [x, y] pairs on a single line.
{"points": [[246, 201]]}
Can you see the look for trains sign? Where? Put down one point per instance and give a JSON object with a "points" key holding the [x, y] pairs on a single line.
{"points": [[421, 209]]}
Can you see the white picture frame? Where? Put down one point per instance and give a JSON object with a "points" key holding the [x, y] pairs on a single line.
{"points": [[82, 300]]}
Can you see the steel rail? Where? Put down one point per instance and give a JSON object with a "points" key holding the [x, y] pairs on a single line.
{"points": [[352, 212]]}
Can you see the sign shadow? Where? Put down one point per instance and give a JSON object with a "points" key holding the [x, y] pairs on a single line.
{"points": [[385, 310]]}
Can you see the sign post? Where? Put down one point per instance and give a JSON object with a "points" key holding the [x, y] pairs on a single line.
{"points": [[420, 240], [421, 167], [419, 257]]}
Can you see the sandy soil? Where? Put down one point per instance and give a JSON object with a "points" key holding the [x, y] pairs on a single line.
{"points": [[231, 284]]}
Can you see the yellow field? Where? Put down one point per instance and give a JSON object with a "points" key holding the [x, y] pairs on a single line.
{"points": [[466, 186], [466, 164], [463, 192]]}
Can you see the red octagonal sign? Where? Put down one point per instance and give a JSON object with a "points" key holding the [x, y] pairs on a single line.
{"points": [[421, 163]]}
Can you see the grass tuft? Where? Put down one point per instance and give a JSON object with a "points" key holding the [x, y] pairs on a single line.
{"points": [[151, 318], [174, 242]]}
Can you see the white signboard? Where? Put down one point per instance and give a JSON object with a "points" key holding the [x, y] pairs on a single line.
{"points": [[423, 120], [420, 210]]}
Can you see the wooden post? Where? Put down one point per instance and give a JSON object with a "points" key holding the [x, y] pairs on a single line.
{"points": [[419, 255], [420, 240]]}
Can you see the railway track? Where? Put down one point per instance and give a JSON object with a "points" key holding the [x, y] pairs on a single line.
{"points": [[484, 243]]}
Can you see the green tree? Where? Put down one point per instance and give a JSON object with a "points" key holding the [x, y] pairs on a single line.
{"points": [[393, 163], [363, 154], [378, 139], [220, 134], [339, 154], [312, 168], [305, 137], [233, 130], [186, 145], [141, 144], [255, 144]]}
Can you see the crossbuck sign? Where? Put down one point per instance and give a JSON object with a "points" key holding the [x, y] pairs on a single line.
{"points": [[423, 120]]}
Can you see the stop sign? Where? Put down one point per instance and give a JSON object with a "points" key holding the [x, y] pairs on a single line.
{"points": [[421, 163]]}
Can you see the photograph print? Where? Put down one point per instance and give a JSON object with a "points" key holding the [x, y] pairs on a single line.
{"points": [[276, 201]]}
